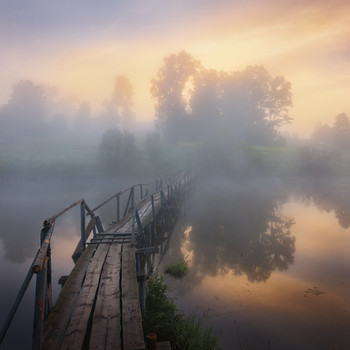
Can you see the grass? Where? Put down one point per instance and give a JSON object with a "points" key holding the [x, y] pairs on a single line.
{"points": [[177, 270], [161, 317]]}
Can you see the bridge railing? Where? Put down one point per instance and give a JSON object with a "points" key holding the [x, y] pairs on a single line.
{"points": [[167, 189], [41, 267], [127, 202]]}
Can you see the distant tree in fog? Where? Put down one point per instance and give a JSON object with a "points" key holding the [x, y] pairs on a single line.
{"points": [[322, 133], [33, 111], [172, 90], [25, 111], [255, 104], [338, 135], [119, 108], [82, 118], [117, 151], [341, 130], [195, 103]]}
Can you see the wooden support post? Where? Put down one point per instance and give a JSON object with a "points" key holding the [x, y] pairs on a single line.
{"points": [[18, 300], [99, 224], [153, 212], [130, 199], [82, 225], [152, 341], [118, 208], [132, 193], [39, 308]]}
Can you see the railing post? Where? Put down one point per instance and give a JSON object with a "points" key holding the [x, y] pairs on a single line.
{"points": [[132, 198], [43, 290], [40, 303], [82, 225], [118, 208], [133, 228], [141, 191], [153, 210]]}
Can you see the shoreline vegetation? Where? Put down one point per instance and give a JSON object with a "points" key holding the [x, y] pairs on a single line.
{"points": [[177, 270], [75, 159], [162, 318]]}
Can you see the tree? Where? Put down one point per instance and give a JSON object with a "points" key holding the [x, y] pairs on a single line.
{"points": [[195, 103], [255, 104], [117, 151], [122, 99], [341, 131], [206, 107], [172, 91], [119, 108], [82, 118], [25, 112]]}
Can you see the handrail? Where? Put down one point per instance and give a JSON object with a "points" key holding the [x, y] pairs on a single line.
{"points": [[54, 217], [41, 265], [119, 194]]}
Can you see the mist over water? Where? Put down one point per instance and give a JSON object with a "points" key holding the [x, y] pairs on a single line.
{"points": [[269, 263], [266, 235]]}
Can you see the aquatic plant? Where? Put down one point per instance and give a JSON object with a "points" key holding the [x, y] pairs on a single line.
{"points": [[177, 270], [162, 317]]}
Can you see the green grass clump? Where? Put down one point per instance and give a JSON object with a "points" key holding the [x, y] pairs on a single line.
{"points": [[161, 317], [177, 270]]}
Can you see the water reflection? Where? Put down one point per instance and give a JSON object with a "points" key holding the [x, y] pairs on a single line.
{"points": [[293, 238], [251, 236], [328, 197]]}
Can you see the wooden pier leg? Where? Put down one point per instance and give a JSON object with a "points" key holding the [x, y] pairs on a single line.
{"points": [[40, 303], [151, 341]]}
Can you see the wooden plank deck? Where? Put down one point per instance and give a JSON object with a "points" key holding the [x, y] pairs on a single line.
{"points": [[87, 313], [98, 307]]}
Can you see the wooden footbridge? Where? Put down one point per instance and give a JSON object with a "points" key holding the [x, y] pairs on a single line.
{"points": [[101, 303]]}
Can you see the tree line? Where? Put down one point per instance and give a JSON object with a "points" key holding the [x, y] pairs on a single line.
{"points": [[193, 103], [216, 120]]}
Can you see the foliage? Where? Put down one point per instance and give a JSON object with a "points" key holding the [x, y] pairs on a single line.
{"points": [[337, 135], [118, 152], [170, 90], [177, 270], [318, 162], [161, 317], [193, 103], [160, 310]]}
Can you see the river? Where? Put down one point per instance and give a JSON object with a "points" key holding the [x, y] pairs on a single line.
{"points": [[269, 264]]}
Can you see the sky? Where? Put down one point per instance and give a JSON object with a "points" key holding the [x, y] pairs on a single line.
{"points": [[79, 46]]}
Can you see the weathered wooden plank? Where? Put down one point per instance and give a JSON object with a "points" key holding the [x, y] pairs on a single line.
{"points": [[131, 313], [106, 327], [76, 330], [59, 317]]}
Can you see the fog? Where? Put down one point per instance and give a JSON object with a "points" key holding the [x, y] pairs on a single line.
{"points": [[224, 124]]}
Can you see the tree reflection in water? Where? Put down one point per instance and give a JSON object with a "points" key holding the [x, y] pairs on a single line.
{"points": [[329, 196], [241, 230]]}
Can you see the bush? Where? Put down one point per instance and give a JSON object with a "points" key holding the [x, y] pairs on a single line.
{"points": [[178, 270], [161, 317]]}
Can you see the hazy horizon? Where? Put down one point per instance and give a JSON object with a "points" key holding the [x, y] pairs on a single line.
{"points": [[81, 47]]}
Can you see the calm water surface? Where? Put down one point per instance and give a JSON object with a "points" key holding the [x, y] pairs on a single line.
{"points": [[269, 265]]}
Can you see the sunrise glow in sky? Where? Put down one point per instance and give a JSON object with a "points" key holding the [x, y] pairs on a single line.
{"points": [[80, 46]]}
